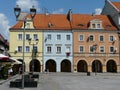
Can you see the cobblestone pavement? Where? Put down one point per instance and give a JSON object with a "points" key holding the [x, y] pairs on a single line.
{"points": [[72, 81]]}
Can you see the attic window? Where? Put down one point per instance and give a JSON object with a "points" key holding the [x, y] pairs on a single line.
{"points": [[107, 26], [96, 24], [80, 25], [50, 25]]}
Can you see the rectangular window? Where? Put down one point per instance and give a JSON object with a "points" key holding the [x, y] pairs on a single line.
{"points": [[81, 49], [101, 38], [49, 36], [35, 49], [67, 49], [111, 49], [111, 38], [19, 36], [27, 36], [91, 38], [19, 48], [68, 37], [58, 37], [98, 26], [49, 49], [91, 49], [35, 36], [93, 26], [58, 49], [81, 37], [27, 49], [102, 49]]}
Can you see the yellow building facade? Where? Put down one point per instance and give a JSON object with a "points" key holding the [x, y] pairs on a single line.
{"points": [[16, 46]]}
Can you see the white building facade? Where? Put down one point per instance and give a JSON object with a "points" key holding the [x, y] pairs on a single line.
{"points": [[58, 51]]}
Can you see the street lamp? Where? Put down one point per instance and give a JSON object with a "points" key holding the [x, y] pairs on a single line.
{"points": [[35, 42], [17, 12], [94, 48]]}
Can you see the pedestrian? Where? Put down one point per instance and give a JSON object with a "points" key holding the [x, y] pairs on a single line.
{"points": [[10, 72], [2, 71], [20, 70]]}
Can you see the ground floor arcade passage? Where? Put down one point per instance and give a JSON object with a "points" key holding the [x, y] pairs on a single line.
{"points": [[65, 66], [97, 66]]}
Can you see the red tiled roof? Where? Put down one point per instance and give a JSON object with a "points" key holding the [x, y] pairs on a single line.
{"points": [[117, 5], [60, 22]]}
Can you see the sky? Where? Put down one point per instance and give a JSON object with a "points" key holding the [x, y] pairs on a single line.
{"points": [[7, 17]]}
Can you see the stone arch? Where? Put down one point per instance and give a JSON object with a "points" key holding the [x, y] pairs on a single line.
{"points": [[111, 66], [35, 65], [65, 66], [96, 66], [82, 66], [50, 65]]}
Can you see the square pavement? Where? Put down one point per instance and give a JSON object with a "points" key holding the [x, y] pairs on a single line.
{"points": [[71, 81]]}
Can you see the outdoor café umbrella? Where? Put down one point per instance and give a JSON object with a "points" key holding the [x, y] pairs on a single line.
{"points": [[15, 61], [4, 58]]}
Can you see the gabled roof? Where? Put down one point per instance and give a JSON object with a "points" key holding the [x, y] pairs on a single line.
{"points": [[117, 5], [61, 22]]}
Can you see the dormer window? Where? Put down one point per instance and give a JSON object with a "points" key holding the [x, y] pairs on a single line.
{"points": [[96, 24], [28, 24]]}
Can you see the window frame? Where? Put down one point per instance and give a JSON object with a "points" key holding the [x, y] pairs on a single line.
{"points": [[83, 49], [27, 48], [20, 36], [20, 49], [58, 37], [68, 38], [103, 49], [100, 38], [81, 36]]}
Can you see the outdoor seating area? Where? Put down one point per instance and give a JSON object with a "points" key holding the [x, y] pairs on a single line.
{"points": [[30, 80]]}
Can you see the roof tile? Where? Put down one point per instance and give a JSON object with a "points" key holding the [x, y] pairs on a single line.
{"points": [[60, 22]]}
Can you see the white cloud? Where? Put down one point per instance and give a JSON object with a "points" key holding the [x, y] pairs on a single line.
{"points": [[25, 5], [98, 11], [59, 11], [4, 26]]}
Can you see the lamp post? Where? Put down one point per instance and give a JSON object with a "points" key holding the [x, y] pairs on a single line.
{"points": [[94, 48], [17, 12], [35, 42]]}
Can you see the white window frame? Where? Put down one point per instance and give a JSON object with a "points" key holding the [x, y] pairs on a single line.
{"points": [[27, 48], [26, 36], [110, 49], [93, 38], [103, 38], [58, 37], [35, 36], [58, 49], [68, 38], [100, 49], [20, 49], [48, 49], [49, 36], [83, 49], [20, 37], [79, 37]]}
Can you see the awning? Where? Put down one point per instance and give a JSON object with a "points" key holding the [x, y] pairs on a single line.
{"points": [[4, 58], [15, 61]]}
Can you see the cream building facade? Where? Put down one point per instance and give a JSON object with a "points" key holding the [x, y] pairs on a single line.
{"points": [[16, 46]]}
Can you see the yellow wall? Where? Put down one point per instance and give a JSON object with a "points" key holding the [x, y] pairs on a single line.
{"points": [[14, 43]]}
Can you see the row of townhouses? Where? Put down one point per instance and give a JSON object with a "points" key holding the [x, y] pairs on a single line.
{"points": [[69, 42]]}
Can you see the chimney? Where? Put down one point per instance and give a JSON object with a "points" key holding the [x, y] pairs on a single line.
{"points": [[69, 15]]}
